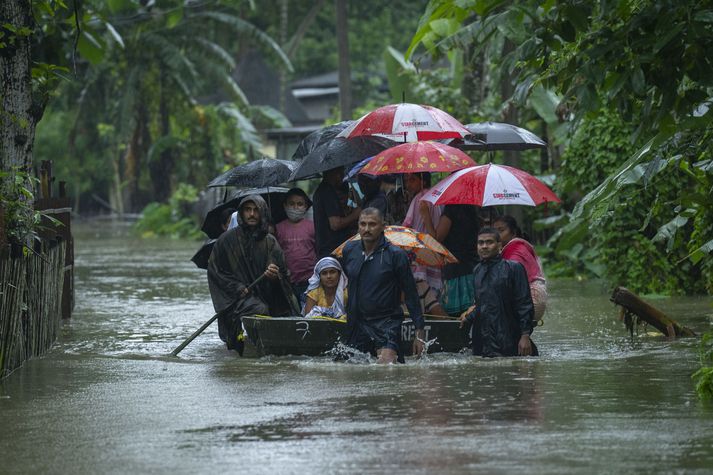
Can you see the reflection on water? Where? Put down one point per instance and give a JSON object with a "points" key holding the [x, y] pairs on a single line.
{"points": [[108, 399]]}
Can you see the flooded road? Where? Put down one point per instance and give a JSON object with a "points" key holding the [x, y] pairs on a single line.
{"points": [[107, 399]]}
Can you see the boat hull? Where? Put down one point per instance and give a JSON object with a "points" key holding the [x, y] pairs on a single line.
{"points": [[314, 337]]}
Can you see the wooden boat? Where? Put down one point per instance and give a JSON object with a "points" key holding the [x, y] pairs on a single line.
{"points": [[317, 336]]}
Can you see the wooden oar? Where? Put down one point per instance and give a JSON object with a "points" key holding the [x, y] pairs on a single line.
{"points": [[180, 347]]}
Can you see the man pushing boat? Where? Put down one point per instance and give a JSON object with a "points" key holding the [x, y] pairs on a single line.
{"points": [[379, 273], [243, 256]]}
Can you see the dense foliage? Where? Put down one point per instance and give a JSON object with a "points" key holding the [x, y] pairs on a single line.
{"points": [[703, 378], [171, 219], [153, 101], [633, 82]]}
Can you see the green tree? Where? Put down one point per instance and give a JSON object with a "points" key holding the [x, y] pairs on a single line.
{"points": [[169, 56], [32, 62], [647, 61]]}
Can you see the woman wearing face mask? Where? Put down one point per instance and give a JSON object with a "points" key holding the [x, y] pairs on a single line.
{"points": [[296, 238]]}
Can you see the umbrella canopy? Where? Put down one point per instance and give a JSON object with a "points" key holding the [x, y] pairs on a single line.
{"points": [[337, 153], [200, 258], [259, 173], [352, 173], [273, 196], [407, 123], [319, 137], [498, 136], [421, 247], [418, 157], [490, 185]]}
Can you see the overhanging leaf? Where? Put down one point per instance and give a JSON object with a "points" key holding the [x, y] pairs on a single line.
{"points": [[90, 47], [115, 34]]}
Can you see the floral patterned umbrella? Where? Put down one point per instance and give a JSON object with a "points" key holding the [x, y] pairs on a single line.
{"points": [[416, 157], [421, 248]]}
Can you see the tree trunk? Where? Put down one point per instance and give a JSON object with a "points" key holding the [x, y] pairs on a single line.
{"points": [[345, 84], [161, 167], [284, 17], [510, 116], [19, 113], [133, 158], [473, 84], [651, 315], [116, 192], [302, 28]]}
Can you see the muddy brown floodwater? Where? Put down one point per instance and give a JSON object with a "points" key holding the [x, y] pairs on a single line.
{"points": [[106, 399]]}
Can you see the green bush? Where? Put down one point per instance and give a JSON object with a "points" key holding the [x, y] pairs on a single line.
{"points": [[703, 378], [171, 219], [599, 147]]}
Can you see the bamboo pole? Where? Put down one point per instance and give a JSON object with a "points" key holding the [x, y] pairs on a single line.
{"points": [[12, 288], [30, 305]]}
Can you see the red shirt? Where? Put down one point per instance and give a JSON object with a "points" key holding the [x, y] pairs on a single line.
{"points": [[521, 251]]}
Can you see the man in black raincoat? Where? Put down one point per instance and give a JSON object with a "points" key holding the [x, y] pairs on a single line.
{"points": [[239, 257], [502, 311], [379, 273]]}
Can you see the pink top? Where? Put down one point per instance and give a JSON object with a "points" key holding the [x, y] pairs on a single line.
{"points": [[432, 275], [521, 251], [297, 242], [413, 217]]}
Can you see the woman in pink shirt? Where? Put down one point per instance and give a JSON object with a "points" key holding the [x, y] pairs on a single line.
{"points": [[423, 217], [297, 240], [515, 248]]}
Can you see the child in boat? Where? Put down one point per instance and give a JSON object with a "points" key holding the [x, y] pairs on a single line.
{"points": [[326, 294]]}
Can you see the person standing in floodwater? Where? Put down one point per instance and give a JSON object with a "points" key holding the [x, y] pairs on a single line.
{"points": [[423, 216], [331, 223], [502, 311], [517, 248], [378, 274]]}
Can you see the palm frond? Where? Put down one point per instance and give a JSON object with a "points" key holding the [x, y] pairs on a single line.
{"points": [[216, 51], [243, 27], [244, 126], [274, 116], [162, 143], [216, 73], [171, 56]]}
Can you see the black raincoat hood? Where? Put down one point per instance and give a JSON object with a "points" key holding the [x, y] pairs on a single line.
{"points": [[261, 230]]}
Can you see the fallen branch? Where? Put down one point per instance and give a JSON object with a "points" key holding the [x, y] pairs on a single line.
{"points": [[631, 303]]}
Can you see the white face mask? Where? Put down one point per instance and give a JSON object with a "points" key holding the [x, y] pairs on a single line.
{"points": [[295, 214]]}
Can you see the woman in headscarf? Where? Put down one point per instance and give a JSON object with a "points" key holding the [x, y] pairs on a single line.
{"points": [[517, 248], [326, 291]]}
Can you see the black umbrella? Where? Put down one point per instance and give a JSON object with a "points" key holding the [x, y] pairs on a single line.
{"points": [[499, 136], [274, 196], [340, 152], [319, 137], [200, 258], [259, 173]]}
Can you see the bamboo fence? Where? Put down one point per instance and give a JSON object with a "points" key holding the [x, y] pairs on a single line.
{"points": [[30, 304]]}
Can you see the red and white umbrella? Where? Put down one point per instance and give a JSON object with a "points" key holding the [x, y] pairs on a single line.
{"points": [[490, 185], [417, 157], [407, 123]]}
